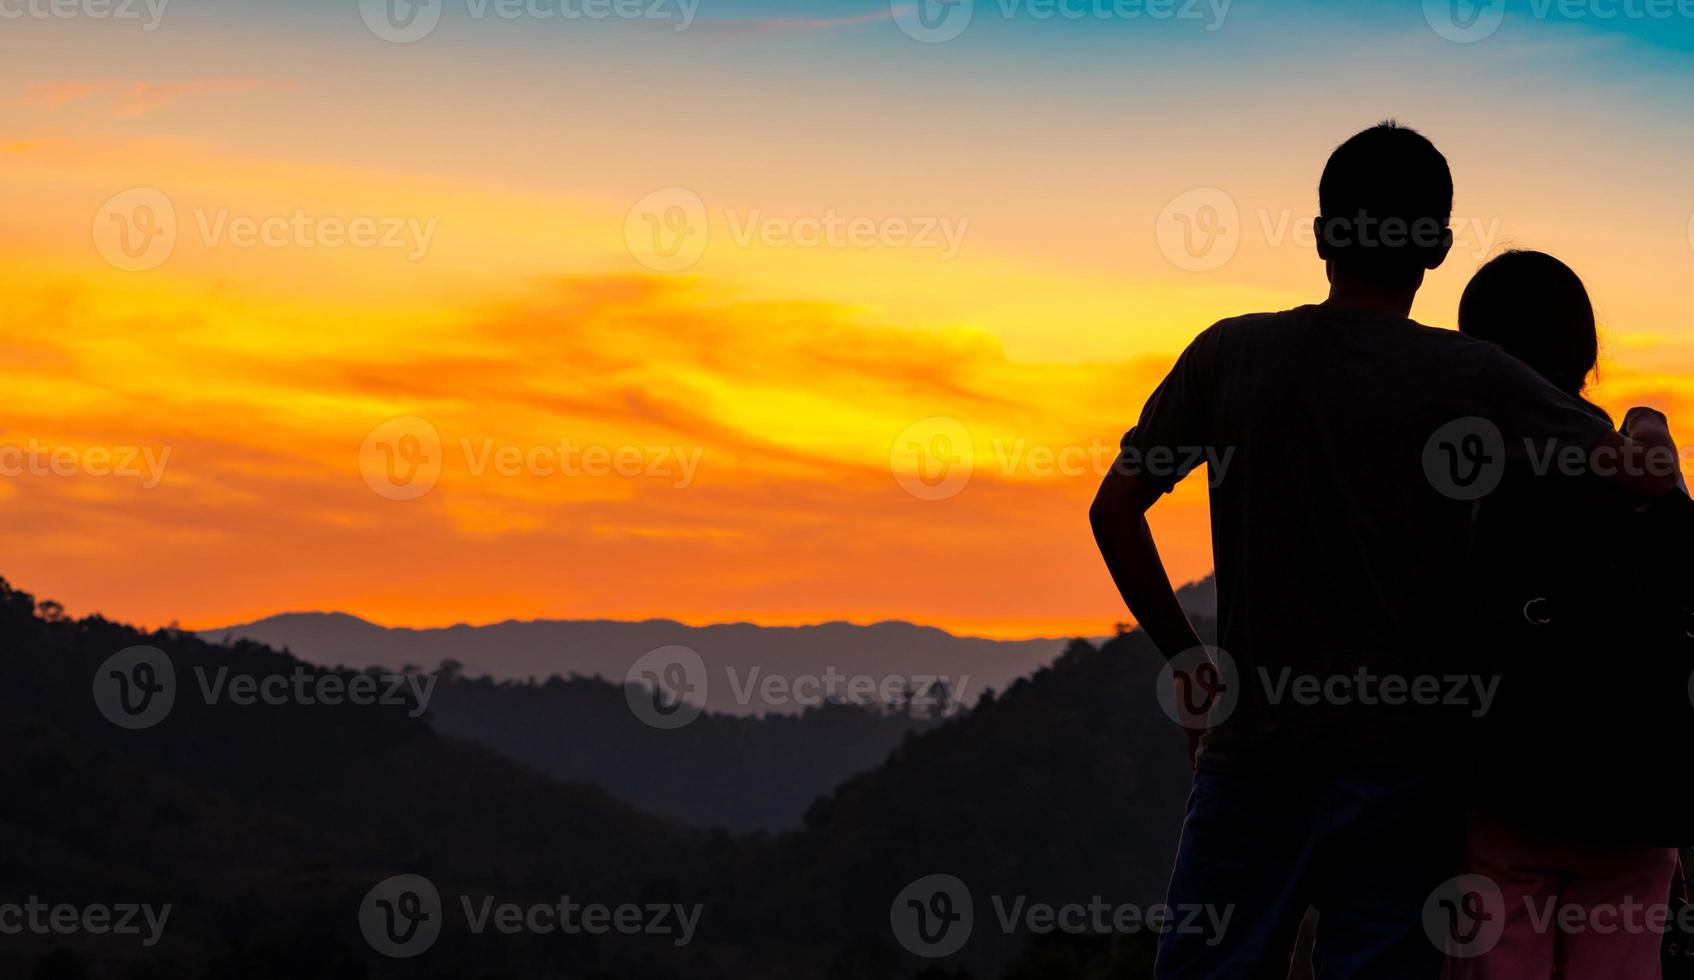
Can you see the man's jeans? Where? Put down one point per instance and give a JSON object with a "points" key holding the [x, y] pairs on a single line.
{"points": [[1368, 851]]}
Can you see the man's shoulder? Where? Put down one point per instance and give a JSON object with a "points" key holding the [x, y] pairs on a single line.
{"points": [[1255, 321], [1235, 330], [1449, 343], [1447, 336], [1318, 325], [1310, 317]]}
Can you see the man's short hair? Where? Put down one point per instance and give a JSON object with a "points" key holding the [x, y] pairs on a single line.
{"points": [[1385, 200]]}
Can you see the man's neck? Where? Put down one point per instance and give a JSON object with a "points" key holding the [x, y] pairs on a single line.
{"points": [[1368, 298]]}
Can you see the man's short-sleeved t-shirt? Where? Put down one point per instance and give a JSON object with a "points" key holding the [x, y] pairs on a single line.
{"points": [[1351, 449]]}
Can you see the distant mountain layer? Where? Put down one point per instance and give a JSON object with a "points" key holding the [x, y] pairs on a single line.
{"points": [[741, 773], [749, 670]]}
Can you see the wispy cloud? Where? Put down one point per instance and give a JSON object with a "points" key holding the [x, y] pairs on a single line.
{"points": [[27, 146], [138, 98]]}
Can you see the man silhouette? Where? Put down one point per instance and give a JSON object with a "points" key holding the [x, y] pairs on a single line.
{"points": [[1338, 546]]}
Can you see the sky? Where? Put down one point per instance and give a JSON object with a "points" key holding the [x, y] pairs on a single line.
{"points": [[725, 310]]}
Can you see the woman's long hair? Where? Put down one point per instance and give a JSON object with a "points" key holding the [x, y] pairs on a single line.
{"points": [[1537, 309]]}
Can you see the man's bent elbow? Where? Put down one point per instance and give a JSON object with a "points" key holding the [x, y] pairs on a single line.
{"points": [[1103, 519], [1122, 499]]}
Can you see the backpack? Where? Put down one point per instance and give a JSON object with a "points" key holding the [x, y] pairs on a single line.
{"points": [[1593, 632]]}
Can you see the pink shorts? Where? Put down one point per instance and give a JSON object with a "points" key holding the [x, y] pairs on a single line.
{"points": [[1563, 909]]}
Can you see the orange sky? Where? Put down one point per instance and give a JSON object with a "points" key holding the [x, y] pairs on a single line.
{"points": [[728, 441]]}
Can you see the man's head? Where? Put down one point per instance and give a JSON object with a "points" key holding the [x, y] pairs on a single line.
{"points": [[1384, 203]]}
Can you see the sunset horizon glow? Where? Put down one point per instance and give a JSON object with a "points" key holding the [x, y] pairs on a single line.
{"points": [[242, 267]]}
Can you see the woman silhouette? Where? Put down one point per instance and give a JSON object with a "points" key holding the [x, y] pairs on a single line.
{"points": [[1564, 859]]}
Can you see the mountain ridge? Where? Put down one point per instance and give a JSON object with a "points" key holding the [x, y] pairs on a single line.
{"points": [[610, 649], [337, 615]]}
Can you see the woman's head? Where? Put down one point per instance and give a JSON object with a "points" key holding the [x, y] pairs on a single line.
{"points": [[1536, 308]]}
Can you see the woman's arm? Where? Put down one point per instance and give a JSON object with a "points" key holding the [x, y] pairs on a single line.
{"points": [[1647, 456]]}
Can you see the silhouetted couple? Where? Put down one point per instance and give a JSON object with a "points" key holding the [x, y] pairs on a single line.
{"points": [[1435, 559]]}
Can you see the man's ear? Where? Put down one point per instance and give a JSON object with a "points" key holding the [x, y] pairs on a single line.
{"points": [[1317, 232], [1439, 254]]}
